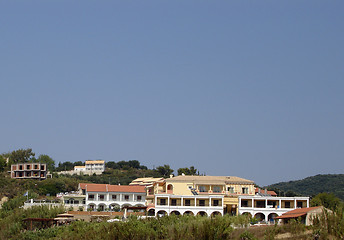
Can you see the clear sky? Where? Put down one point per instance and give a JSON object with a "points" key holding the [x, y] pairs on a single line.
{"points": [[253, 89]]}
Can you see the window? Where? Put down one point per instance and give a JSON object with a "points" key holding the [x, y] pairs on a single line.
{"points": [[299, 204], [91, 197], [216, 189], [216, 203], [202, 189], [163, 201], [114, 197], [174, 202], [230, 189], [202, 203], [126, 197], [139, 198], [244, 203], [287, 204], [187, 202], [101, 198], [244, 190]]}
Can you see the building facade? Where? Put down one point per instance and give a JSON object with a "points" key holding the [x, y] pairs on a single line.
{"points": [[29, 171], [266, 208], [202, 191], [105, 197]]}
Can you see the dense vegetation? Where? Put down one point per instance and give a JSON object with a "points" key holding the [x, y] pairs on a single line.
{"points": [[327, 226], [311, 186]]}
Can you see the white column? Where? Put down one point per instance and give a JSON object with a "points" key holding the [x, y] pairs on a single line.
{"points": [[280, 203], [181, 203], [210, 201], [295, 204], [133, 197], [308, 202], [266, 203]]}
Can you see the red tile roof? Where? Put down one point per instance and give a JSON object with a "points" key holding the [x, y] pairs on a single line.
{"points": [[92, 187], [272, 193], [297, 212]]}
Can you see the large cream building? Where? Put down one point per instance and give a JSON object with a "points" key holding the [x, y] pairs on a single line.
{"points": [[197, 195]]}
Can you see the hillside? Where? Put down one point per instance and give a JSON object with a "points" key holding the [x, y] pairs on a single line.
{"points": [[310, 186]]}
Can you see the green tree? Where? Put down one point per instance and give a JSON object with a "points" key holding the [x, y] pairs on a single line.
{"points": [[187, 171], [47, 160], [165, 171], [328, 200], [21, 155], [79, 163], [2, 163]]}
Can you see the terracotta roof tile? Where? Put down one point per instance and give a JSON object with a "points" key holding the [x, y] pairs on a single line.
{"points": [[92, 187], [297, 212]]}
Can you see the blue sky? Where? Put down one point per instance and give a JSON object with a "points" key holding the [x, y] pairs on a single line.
{"points": [[243, 88]]}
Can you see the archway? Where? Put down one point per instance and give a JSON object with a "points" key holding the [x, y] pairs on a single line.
{"points": [[115, 207], [188, 213], [216, 213], [162, 213], [101, 207], [151, 212], [260, 216], [271, 217], [175, 213], [202, 213], [169, 188], [91, 207]]}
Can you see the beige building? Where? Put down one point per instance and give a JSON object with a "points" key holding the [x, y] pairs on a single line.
{"points": [[205, 195]]}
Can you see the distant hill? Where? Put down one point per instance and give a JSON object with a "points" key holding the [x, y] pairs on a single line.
{"points": [[310, 186]]}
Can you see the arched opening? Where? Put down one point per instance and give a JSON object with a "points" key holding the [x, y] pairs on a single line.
{"points": [[175, 213], [126, 205], [271, 217], [114, 207], [169, 188], [91, 207], [161, 213], [216, 213], [151, 212], [101, 207], [188, 213], [260, 216], [202, 213]]}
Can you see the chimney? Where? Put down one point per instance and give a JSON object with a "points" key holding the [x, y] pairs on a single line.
{"points": [[266, 191]]}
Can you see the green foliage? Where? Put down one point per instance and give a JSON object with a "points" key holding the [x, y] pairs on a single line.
{"points": [[329, 223], [311, 186], [2, 163], [47, 160], [247, 235], [165, 171], [328, 200], [21, 155], [188, 171]]}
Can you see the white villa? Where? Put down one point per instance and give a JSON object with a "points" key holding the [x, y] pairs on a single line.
{"points": [[105, 197]]}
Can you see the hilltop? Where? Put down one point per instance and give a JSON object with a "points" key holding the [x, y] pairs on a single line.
{"points": [[311, 186]]}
